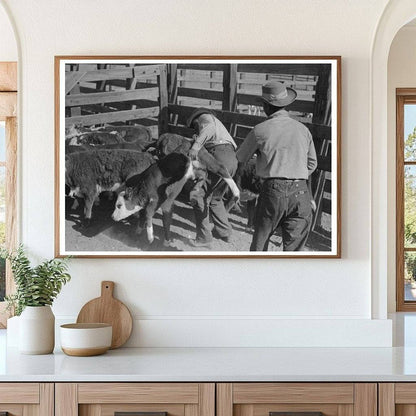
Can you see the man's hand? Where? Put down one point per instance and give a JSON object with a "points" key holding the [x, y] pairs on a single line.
{"points": [[193, 154]]}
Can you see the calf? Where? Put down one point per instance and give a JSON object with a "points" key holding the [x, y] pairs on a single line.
{"points": [[250, 185], [109, 137], [94, 138], [169, 142], [134, 146], [158, 186], [89, 173], [131, 134]]}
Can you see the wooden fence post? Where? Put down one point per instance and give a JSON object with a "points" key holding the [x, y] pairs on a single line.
{"points": [[75, 111], [173, 90], [131, 85], [173, 83], [229, 82], [229, 101], [321, 115], [163, 100], [322, 108]]}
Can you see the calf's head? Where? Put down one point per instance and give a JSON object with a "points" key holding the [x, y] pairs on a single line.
{"points": [[125, 205]]}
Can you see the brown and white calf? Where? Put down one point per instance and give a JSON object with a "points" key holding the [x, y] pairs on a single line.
{"points": [[157, 187], [87, 174]]}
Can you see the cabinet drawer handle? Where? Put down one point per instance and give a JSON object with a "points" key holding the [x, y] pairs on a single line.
{"points": [[138, 414], [296, 414]]}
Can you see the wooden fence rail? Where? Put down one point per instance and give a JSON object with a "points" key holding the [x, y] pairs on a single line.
{"points": [[113, 117], [319, 132], [111, 97], [130, 96], [309, 69]]}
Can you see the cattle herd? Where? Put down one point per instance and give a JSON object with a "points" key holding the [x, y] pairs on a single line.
{"points": [[125, 167]]}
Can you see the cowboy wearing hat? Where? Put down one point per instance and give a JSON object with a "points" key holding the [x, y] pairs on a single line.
{"points": [[207, 195], [286, 157]]}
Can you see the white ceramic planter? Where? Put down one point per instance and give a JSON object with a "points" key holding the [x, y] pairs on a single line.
{"points": [[37, 330], [13, 331]]}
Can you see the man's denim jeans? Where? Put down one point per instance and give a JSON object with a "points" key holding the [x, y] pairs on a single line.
{"points": [[287, 204]]}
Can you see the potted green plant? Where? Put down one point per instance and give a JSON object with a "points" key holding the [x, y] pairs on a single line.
{"points": [[36, 289]]}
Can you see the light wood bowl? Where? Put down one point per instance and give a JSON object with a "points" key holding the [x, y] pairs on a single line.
{"points": [[85, 340]]}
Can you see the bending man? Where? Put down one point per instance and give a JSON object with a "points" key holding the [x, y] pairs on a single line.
{"points": [[207, 196]]}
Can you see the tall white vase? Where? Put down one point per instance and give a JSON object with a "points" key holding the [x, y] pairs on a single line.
{"points": [[37, 330], [13, 331]]}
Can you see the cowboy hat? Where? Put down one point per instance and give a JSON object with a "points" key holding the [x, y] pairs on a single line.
{"points": [[277, 94], [196, 113]]}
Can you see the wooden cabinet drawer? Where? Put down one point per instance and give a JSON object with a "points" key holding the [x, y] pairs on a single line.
{"points": [[105, 399], [27, 399], [397, 399], [331, 399]]}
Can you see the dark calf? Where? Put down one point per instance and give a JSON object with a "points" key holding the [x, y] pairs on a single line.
{"points": [[169, 143], [250, 185], [158, 186]]}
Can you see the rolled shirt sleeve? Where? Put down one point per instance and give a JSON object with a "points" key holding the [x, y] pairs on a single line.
{"points": [[312, 159]]}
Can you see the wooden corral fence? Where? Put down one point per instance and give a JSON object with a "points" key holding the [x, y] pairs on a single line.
{"points": [[163, 96], [232, 92], [98, 94]]}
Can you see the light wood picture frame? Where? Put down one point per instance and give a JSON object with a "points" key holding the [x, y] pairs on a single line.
{"points": [[104, 104]]}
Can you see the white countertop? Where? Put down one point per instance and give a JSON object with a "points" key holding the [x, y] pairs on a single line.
{"points": [[213, 364]]}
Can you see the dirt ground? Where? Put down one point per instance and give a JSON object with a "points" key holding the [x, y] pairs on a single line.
{"points": [[106, 235]]}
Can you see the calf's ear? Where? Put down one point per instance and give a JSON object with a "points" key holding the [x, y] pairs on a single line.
{"points": [[122, 193], [128, 192]]}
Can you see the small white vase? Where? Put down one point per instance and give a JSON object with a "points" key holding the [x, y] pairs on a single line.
{"points": [[13, 331], [37, 330]]}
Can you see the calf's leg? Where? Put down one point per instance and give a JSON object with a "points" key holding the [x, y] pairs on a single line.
{"points": [[167, 221], [89, 202], [149, 213]]}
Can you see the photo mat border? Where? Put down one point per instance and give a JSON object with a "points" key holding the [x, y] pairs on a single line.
{"points": [[336, 156]]}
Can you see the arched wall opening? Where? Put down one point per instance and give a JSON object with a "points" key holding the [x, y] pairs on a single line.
{"points": [[397, 14], [8, 44], [400, 74]]}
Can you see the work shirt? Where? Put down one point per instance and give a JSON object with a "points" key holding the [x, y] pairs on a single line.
{"points": [[284, 148], [211, 132]]}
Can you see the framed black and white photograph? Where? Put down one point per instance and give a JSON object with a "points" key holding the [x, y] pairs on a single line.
{"points": [[198, 156]]}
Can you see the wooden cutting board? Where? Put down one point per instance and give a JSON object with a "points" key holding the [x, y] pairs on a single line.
{"points": [[107, 309]]}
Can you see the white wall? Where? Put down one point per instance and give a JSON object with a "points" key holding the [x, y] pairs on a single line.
{"points": [[401, 74], [179, 302], [8, 47]]}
